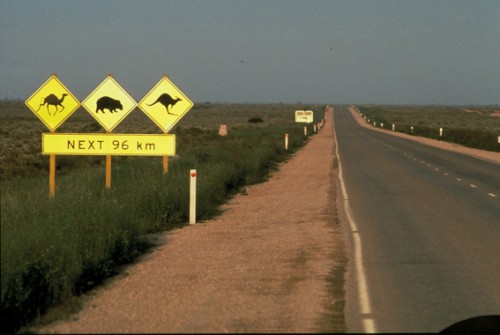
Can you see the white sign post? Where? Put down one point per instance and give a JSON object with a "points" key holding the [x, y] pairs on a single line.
{"points": [[192, 197]]}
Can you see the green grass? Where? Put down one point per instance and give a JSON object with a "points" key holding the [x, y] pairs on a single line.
{"points": [[475, 127], [53, 250]]}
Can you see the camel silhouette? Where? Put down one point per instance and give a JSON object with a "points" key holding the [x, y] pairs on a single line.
{"points": [[167, 101], [54, 101]]}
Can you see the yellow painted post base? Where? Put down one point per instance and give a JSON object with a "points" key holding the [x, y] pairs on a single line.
{"points": [[108, 171], [52, 176], [165, 164]]}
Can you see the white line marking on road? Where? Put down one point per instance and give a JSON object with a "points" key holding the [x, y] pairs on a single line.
{"points": [[364, 300], [458, 179], [492, 195], [473, 186], [446, 173]]}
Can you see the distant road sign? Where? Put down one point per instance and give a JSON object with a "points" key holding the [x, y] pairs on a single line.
{"points": [[108, 144], [304, 116], [53, 103], [109, 103], [165, 104]]}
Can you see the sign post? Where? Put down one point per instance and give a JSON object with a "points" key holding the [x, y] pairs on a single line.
{"points": [[52, 103], [192, 197], [52, 176], [165, 164], [165, 104], [109, 104]]}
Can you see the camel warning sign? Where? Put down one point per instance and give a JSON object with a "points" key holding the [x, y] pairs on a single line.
{"points": [[53, 103], [109, 103], [165, 104]]}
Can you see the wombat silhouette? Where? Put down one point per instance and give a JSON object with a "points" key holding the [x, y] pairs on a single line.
{"points": [[51, 99], [167, 101], [108, 103]]}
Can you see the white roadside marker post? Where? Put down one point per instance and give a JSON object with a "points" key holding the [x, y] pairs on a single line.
{"points": [[305, 130], [440, 132], [192, 197], [286, 141]]}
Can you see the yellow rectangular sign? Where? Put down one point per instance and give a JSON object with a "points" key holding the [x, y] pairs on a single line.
{"points": [[108, 144], [304, 116]]}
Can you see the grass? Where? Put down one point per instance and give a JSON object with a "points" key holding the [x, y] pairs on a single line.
{"points": [[471, 126], [54, 250]]}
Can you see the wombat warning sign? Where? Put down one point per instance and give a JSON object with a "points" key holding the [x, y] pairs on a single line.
{"points": [[109, 103]]}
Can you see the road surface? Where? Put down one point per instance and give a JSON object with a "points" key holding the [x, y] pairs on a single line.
{"points": [[427, 222]]}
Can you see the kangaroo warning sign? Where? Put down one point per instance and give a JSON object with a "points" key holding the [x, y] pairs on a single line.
{"points": [[165, 104], [109, 103], [53, 103]]}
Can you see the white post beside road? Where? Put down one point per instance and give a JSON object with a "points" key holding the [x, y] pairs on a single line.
{"points": [[286, 141], [440, 132], [305, 130], [192, 197]]}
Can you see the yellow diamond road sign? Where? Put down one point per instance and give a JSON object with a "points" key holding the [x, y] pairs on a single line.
{"points": [[53, 103], [109, 103], [165, 104]]}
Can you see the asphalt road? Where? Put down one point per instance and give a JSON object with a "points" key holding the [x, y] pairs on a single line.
{"points": [[428, 221]]}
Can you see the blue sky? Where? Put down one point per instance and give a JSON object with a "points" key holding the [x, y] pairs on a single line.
{"points": [[313, 51]]}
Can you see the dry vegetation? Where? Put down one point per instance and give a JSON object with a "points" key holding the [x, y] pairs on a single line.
{"points": [[471, 126], [21, 131]]}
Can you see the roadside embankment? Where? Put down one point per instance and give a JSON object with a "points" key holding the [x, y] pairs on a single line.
{"points": [[483, 154]]}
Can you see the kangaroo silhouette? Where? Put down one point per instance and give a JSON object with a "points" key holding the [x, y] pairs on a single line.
{"points": [[51, 99], [167, 101]]}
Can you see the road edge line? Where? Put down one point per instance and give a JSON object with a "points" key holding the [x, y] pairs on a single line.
{"points": [[363, 297]]}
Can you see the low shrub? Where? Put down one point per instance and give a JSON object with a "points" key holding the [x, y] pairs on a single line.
{"points": [[255, 120]]}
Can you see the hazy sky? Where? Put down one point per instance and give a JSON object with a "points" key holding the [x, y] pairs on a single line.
{"points": [[346, 51]]}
